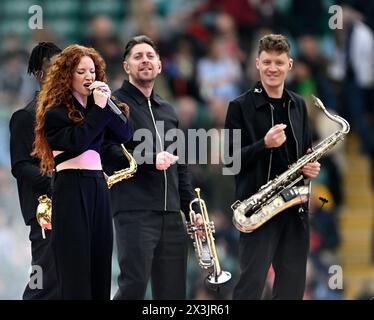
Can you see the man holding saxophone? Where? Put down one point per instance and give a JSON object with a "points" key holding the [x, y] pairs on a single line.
{"points": [[150, 234], [275, 133]]}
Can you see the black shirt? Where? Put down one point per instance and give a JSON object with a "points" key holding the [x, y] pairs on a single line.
{"points": [[149, 189], [284, 155]]}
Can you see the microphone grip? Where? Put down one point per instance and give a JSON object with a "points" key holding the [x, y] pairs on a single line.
{"points": [[116, 110]]}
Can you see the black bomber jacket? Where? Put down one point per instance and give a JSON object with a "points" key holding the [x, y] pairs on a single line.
{"points": [[252, 114], [149, 188]]}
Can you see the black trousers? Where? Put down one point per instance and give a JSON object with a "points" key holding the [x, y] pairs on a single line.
{"points": [[41, 256], [283, 242], [82, 234], [151, 244]]}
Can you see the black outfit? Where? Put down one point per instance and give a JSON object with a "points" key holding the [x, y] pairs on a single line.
{"points": [[82, 227], [150, 234], [31, 184], [283, 241]]}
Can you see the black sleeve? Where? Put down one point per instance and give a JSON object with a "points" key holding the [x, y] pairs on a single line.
{"points": [[119, 131], [24, 166], [112, 156], [246, 150], [64, 135]]}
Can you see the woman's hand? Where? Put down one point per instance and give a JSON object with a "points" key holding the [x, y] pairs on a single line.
{"points": [[101, 93]]}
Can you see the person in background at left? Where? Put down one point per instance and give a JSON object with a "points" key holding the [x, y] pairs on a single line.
{"points": [[30, 182]]}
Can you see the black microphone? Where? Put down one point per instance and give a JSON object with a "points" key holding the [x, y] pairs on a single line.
{"points": [[116, 110]]}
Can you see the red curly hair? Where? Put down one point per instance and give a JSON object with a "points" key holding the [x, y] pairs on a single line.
{"points": [[56, 91]]}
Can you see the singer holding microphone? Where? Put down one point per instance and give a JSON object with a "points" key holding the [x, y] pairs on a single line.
{"points": [[72, 118]]}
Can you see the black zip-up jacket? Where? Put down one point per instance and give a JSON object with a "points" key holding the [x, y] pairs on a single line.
{"points": [[253, 115], [149, 188], [25, 168]]}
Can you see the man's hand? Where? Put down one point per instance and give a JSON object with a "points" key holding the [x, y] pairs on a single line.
{"points": [[311, 169], [198, 222], [164, 160], [276, 136]]}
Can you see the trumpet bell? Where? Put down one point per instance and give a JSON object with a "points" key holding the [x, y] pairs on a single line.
{"points": [[215, 280], [44, 212]]}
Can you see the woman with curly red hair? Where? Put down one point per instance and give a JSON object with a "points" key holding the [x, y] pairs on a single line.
{"points": [[71, 121]]}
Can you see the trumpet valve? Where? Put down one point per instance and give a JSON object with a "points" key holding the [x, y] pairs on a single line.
{"points": [[190, 227], [212, 227]]}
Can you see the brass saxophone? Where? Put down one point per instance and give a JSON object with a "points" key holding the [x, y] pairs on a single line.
{"points": [[206, 249], [281, 192], [127, 173]]}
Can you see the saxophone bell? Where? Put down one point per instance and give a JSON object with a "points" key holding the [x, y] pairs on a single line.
{"points": [[205, 247], [127, 173]]}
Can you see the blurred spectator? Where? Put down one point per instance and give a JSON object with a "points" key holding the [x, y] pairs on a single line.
{"points": [[310, 53], [180, 69], [302, 82], [217, 74], [366, 7], [103, 38], [13, 65], [304, 17], [226, 29], [145, 19], [217, 107], [242, 11], [359, 76]]}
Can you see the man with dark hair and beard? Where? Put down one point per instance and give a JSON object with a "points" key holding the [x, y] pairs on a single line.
{"points": [[150, 234]]}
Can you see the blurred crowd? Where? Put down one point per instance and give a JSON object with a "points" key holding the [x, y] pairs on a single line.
{"points": [[207, 51]]}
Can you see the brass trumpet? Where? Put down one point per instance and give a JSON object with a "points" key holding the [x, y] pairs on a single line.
{"points": [[205, 248], [44, 213]]}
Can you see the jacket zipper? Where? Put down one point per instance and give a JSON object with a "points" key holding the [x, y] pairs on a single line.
{"points": [[271, 151], [293, 133], [162, 149]]}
